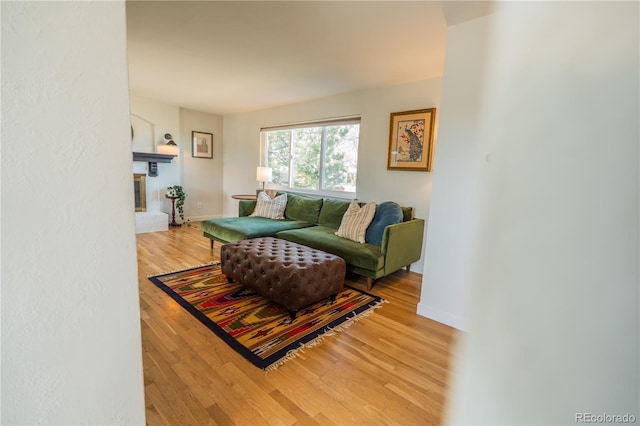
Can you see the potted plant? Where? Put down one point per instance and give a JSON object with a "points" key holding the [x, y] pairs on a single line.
{"points": [[177, 195]]}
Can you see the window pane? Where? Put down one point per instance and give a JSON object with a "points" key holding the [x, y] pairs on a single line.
{"points": [[306, 157], [278, 148], [314, 157], [341, 158]]}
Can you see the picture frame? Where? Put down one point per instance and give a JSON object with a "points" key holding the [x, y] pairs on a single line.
{"points": [[411, 140], [201, 144]]}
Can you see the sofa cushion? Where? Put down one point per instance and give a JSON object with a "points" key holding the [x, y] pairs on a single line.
{"points": [[408, 213], [303, 208], [387, 213], [365, 256], [332, 212], [246, 207], [355, 221], [232, 229], [270, 208]]}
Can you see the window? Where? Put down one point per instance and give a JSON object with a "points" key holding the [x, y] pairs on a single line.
{"points": [[321, 156]]}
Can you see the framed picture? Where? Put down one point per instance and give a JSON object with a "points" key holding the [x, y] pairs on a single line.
{"points": [[201, 144], [411, 140]]}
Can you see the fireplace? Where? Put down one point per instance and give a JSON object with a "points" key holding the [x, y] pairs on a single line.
{"points": [[147, 221], [140, 191]]}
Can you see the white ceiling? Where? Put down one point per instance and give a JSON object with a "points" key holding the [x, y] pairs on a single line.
{"points": [[228, 57]]}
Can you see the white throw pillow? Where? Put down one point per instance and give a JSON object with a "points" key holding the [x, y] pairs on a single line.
{"points": [[270, 208], [356, 220]]}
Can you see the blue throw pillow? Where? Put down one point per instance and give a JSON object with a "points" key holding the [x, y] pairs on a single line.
{"points": [[387, 213]]}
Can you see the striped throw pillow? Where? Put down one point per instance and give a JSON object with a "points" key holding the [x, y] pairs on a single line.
{"points": [[270, 208], [355, 221]]}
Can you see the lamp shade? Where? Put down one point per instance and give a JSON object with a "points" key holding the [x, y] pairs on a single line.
{"points": [[264, 174]]}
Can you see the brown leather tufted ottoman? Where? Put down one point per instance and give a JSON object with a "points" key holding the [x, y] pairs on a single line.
{"points": [[290, 274]]}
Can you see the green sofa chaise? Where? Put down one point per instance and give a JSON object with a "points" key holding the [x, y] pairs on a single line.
{"points": [[313, 222]]}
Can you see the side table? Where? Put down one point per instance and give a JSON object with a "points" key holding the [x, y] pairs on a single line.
{"points": [[244, 197], [173, 212]]}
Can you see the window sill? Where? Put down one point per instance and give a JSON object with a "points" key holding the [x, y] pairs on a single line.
{"points": [[319, 194]]}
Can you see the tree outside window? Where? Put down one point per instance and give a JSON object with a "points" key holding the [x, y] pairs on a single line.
{"points": [[317, 157]]}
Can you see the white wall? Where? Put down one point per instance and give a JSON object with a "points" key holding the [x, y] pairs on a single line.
{"points": [[150, 121], [71, 350], [375, 182], [200, 178], [554, 327], [450, 246]]}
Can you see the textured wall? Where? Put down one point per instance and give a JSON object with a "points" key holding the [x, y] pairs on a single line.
{"points": [[554, 318], [71, 349]]}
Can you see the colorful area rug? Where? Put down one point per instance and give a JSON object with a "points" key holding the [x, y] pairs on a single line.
{"points": [[260, 330]]}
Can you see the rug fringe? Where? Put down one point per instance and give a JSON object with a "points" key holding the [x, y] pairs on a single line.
{"points": [[293, 354], [212, 263]]}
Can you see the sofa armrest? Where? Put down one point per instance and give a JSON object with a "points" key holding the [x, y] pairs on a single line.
{"points": [[402, 244], [246, 207]]}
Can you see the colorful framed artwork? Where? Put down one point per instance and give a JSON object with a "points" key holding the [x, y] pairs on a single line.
{"points": [[411, 140], [201, 144]]}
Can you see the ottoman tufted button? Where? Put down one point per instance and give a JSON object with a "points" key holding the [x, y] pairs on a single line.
{"points": [[291, 274]]}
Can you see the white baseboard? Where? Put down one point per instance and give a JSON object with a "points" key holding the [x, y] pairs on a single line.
{"points": [[443, 317]]}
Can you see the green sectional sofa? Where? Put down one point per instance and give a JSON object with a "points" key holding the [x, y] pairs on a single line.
{"points": [[313, 222]]}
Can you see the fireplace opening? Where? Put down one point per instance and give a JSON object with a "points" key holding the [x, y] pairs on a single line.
{"points": [[140, 191]]}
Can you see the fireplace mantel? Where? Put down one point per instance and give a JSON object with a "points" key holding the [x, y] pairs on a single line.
{"points": [[153, 159]]}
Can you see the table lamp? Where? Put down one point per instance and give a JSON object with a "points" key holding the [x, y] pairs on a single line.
{"points": [[263, 174]]}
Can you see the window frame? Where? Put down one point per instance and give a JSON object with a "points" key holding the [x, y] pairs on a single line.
{"points": [[323, 146]]}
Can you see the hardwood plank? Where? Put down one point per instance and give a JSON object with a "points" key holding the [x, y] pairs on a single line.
{"points": [[390, 368], [321, 419], [218, 415], [257, 396], [301, 417]]}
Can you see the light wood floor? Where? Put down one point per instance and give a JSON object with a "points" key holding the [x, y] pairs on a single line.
{"points": [[390, 368]]}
